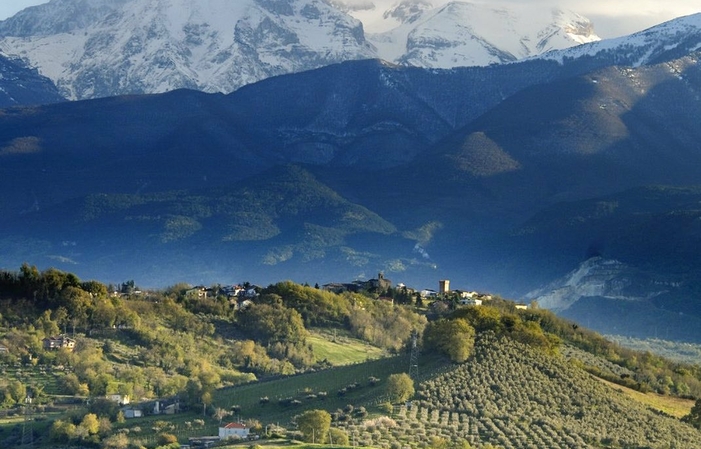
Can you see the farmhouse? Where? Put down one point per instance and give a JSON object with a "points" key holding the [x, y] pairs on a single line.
{"points": [[58, 342], [166, 406], [233, 430], [131, 412]]}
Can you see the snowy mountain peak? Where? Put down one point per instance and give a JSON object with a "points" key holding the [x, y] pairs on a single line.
{"points": [[671, 39], [137, 46], [468, 34], [407, 11], [97, 48]]}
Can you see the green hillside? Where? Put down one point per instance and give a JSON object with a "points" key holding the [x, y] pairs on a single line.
{"points": [[486, 376]]}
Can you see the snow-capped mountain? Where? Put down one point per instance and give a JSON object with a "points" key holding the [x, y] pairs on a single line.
{"points": [[98, 48], [20, 85], [663, 42], [466, 34]]}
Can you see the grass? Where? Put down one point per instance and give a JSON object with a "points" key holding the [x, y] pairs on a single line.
{"points": [[285, 444], [671, 405], [306, 388], [341, 350]]}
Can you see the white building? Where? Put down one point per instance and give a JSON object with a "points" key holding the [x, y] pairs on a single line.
{"points": [[233, 430], [428, 293]]}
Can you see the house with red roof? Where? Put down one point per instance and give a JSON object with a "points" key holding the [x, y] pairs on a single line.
{"points": [[233, 430]]}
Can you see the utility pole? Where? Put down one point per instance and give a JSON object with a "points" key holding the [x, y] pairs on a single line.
{"points": [[414, 358], [27, 431]]}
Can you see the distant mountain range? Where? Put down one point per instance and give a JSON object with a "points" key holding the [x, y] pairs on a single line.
{"points": [[509, 178], [105, 48]]}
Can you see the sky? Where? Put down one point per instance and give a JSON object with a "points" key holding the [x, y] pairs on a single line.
{"points": [[611, 18], [11, 7]]}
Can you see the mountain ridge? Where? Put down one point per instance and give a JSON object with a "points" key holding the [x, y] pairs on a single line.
{"points": [[129, 47]]}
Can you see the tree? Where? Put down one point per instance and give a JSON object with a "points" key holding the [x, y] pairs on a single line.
{"points": [[62, 431], [221, 413], [453, 337], [90, 423], [72, 385], [338, 437], [694, 416], [206, 399], [17, 391], [273, 323], [439, 443], [48, 326], [314, 425], [400, 387]]}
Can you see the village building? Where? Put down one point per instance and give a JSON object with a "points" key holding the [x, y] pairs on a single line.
{"points": [[470, 302], [166, 407], [465, 294], [428, 293], [118, 398], [199, 292], [380, 283], [443, 287], [233, 430]]}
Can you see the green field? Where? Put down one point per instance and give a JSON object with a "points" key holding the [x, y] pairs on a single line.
{"points": [[671, 405], [307, 388], [285, 444], [339, 349]]}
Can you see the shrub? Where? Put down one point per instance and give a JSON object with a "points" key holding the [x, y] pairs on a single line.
{"points": [[166, 438]]}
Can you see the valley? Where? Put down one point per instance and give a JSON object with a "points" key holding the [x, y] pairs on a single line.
{"points": [[224, 224]]}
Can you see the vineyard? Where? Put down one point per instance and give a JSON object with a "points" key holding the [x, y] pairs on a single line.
{"points": [[511, 396]]}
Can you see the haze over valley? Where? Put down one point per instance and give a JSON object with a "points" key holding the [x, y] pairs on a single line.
{"points": [[503, 159]]}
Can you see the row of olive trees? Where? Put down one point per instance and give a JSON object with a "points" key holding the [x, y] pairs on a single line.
{"points": [[514, 396]]}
